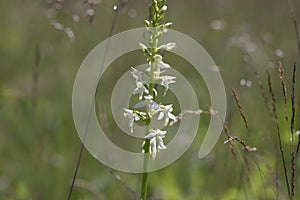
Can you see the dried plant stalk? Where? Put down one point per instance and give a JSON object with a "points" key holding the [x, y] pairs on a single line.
{"points": [[262, 90], [283, 85], [236, 98], [226, 131], [292, 133], [278, 132], [190, 112]]}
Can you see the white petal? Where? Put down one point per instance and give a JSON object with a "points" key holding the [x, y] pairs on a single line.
{"points": [[166, 121], [136, 117], [163, 65], [130, 123], [160, 116], [148, 97], [161, 133], [164, 8], [143, 46], [150, 135], [128, 113], [170, 46], [168, 24], [146, 90], [161, 144], [169, 107], [128, 110], [171, 116], [153, 149]]}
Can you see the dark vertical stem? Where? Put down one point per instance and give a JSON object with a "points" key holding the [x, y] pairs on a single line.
{"points": [[144, 185], [293, 101], [121, 3], [278, 133], [292, 132], [283, 85], [76, 171], [261, 87]]}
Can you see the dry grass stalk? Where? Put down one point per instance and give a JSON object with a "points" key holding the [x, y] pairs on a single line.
{"points": [[278, 132], [293, 103], [292, 132], [236, 98], [262, 90], [191, 112], [293, 175], [231, 139], [226, 131], [281, 76], [242, 142], [283, 85]]}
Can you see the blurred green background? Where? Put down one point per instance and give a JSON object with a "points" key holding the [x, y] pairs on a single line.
{"points": [[42, 44]]}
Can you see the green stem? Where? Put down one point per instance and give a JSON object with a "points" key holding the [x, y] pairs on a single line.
{"points": [[145, 174]]}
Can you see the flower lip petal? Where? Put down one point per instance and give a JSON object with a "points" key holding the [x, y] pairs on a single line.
{"points": [[163, 65]]}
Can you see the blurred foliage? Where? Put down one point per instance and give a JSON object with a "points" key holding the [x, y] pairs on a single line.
{"points": [[39, 145]]}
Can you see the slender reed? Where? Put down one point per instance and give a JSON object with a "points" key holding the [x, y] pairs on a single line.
{"points": [[278, 133], [261, 87], [292, 134], [236, 98], [283, 86], [92, 107]]}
